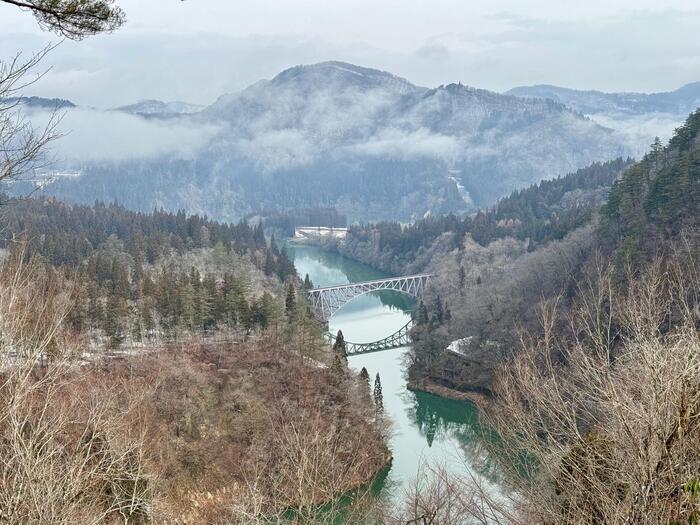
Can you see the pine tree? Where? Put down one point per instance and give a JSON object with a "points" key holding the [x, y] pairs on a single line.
{"points": [[290, 301], [378, 398], [364, 376], [115, 318], [422, 317], [259, 237], [365, 383], [439, 315], [462, 277], [95, 310], [308, 285], [339, 346], [147, 321], [269, 268], [120, 280], [339, 368]]}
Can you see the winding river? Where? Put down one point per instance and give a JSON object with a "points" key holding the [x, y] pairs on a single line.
{"points": [[426, 428]]}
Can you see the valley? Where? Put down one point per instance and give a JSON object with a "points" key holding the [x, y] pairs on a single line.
{"points": [[239, 291]]}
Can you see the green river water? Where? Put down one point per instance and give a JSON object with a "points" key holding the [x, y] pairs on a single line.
{"points": [[426, 428]]}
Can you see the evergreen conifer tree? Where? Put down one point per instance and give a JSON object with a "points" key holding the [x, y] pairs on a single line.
{"points": [[378, 398], [339, 345], [422, 316], [290, 301]]}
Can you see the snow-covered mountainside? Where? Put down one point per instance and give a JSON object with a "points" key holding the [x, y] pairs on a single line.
{"points": [[39, 103], [639, 117], [157, 108], [365, 141], [682, 101]]}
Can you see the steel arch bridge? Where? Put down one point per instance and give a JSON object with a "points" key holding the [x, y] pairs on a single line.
{"points": [[326, 301], [396, 340]]}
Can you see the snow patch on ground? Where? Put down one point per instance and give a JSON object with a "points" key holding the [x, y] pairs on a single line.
{"points": [[459, 346], [466, 197]]}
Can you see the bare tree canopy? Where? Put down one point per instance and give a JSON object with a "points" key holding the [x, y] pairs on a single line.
{"points": [[21, 145], [74, 19]]}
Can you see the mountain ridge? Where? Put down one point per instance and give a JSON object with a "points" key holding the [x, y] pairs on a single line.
{"points": [[681, 101], [365, 141]]}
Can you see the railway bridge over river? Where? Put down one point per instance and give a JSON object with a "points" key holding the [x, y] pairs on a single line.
{"points": [[328, 300]]}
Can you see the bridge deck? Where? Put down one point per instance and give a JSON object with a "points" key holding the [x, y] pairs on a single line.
{"points": [[398, 339], [374, 281]]}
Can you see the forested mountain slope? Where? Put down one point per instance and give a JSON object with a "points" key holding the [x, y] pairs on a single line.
{"points": [[139, 277], [637, 116], [600, 392], [652, 210], [681, 101], [534, 216], [366, 142], [161, 366], [493, 266]]}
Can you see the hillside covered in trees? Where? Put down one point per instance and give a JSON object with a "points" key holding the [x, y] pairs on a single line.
{"points": [[538, 243], [490, 288], [141, 276], [541, 213], [223, 379], [580, 343]]}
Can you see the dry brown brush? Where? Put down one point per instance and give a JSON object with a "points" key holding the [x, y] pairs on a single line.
{"points": [[600, 416], [69, 454]]}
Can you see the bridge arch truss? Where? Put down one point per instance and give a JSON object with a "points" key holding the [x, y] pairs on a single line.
{"points": [[327, 301], [398, 339]]}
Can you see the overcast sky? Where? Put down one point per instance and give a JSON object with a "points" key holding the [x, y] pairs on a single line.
{"points": [[199, 49]]}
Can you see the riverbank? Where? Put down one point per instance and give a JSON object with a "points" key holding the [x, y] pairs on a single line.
{"points": [[431, 387], [427, 428]]}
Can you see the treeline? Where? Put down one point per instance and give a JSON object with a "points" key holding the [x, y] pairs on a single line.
{"points": [[653, 210], [137, 276], [539, 214], [67, 234], [656, 198]]}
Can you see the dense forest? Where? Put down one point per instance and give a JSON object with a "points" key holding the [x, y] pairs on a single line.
{"points": [[539, 214], [140, 276], [223, 379], [490, 288]]}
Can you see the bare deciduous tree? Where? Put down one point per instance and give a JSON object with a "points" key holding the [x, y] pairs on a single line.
{"points": [[601, 422], [21, 144], [69, 453]]}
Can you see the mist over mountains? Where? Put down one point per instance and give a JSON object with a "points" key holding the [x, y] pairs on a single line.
{"points": [[638, 117], [681, 101], [369, 143]]}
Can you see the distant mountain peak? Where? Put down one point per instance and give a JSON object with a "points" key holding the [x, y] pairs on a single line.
{"points": [[40, 102], [335, 71], [680, 102], [158, 108]]}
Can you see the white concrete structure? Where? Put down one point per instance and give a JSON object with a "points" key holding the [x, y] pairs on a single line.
{"points": [[316, 232]]}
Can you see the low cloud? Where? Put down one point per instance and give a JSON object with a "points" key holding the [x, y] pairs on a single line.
{"points": [[639, 131], [92, 135], [398, 144], [277, 150]]}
